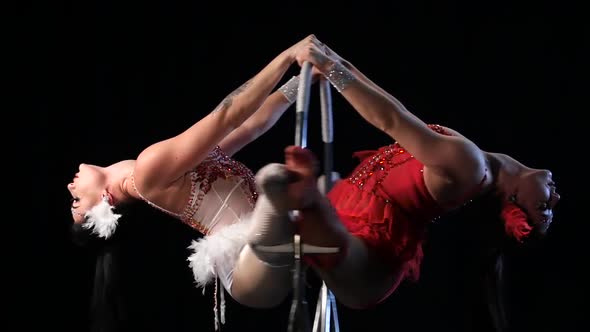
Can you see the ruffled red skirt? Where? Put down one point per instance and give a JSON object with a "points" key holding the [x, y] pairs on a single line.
{"points": [[394, 236]]}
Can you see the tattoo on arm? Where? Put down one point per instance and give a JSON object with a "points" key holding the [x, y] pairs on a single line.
{"points": [[227, 101]]}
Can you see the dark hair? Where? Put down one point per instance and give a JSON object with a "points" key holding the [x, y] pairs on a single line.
{"points": [[108, 309], [486, 252], [141, 279]]}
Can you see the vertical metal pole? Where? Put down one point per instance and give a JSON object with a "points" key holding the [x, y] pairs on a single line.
{"points": [[326, 310], [299, 315], [302, 106]]}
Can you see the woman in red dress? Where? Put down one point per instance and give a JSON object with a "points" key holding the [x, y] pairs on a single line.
{"points": [[378, 215]]}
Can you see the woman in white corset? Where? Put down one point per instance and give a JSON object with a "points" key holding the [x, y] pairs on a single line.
{"points": [[193, 177]]}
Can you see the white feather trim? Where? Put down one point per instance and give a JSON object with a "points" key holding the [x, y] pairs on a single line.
{"points": [[101, 219], [218, 252]]}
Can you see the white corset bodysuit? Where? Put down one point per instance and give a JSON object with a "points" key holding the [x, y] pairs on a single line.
{"points": [[222, 192], [222, 197]]}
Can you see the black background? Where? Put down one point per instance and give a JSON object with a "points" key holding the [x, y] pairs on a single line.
{"points": [[107, 78]]}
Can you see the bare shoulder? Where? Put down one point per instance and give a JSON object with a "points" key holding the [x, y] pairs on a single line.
{"points": [[169, 196], [461, 166], [151, 174], [452, 132]]}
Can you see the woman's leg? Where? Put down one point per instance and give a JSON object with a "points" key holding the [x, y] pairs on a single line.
{"points": [[263, 279], [356, 275]]}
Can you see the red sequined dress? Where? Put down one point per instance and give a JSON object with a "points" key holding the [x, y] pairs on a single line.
{"points": [[386, 203]]}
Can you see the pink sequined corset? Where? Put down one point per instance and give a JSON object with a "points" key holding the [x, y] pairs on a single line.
{"points": [[222, 191]]}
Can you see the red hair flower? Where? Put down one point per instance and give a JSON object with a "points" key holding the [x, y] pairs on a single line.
{"points": [[515, 221]]}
